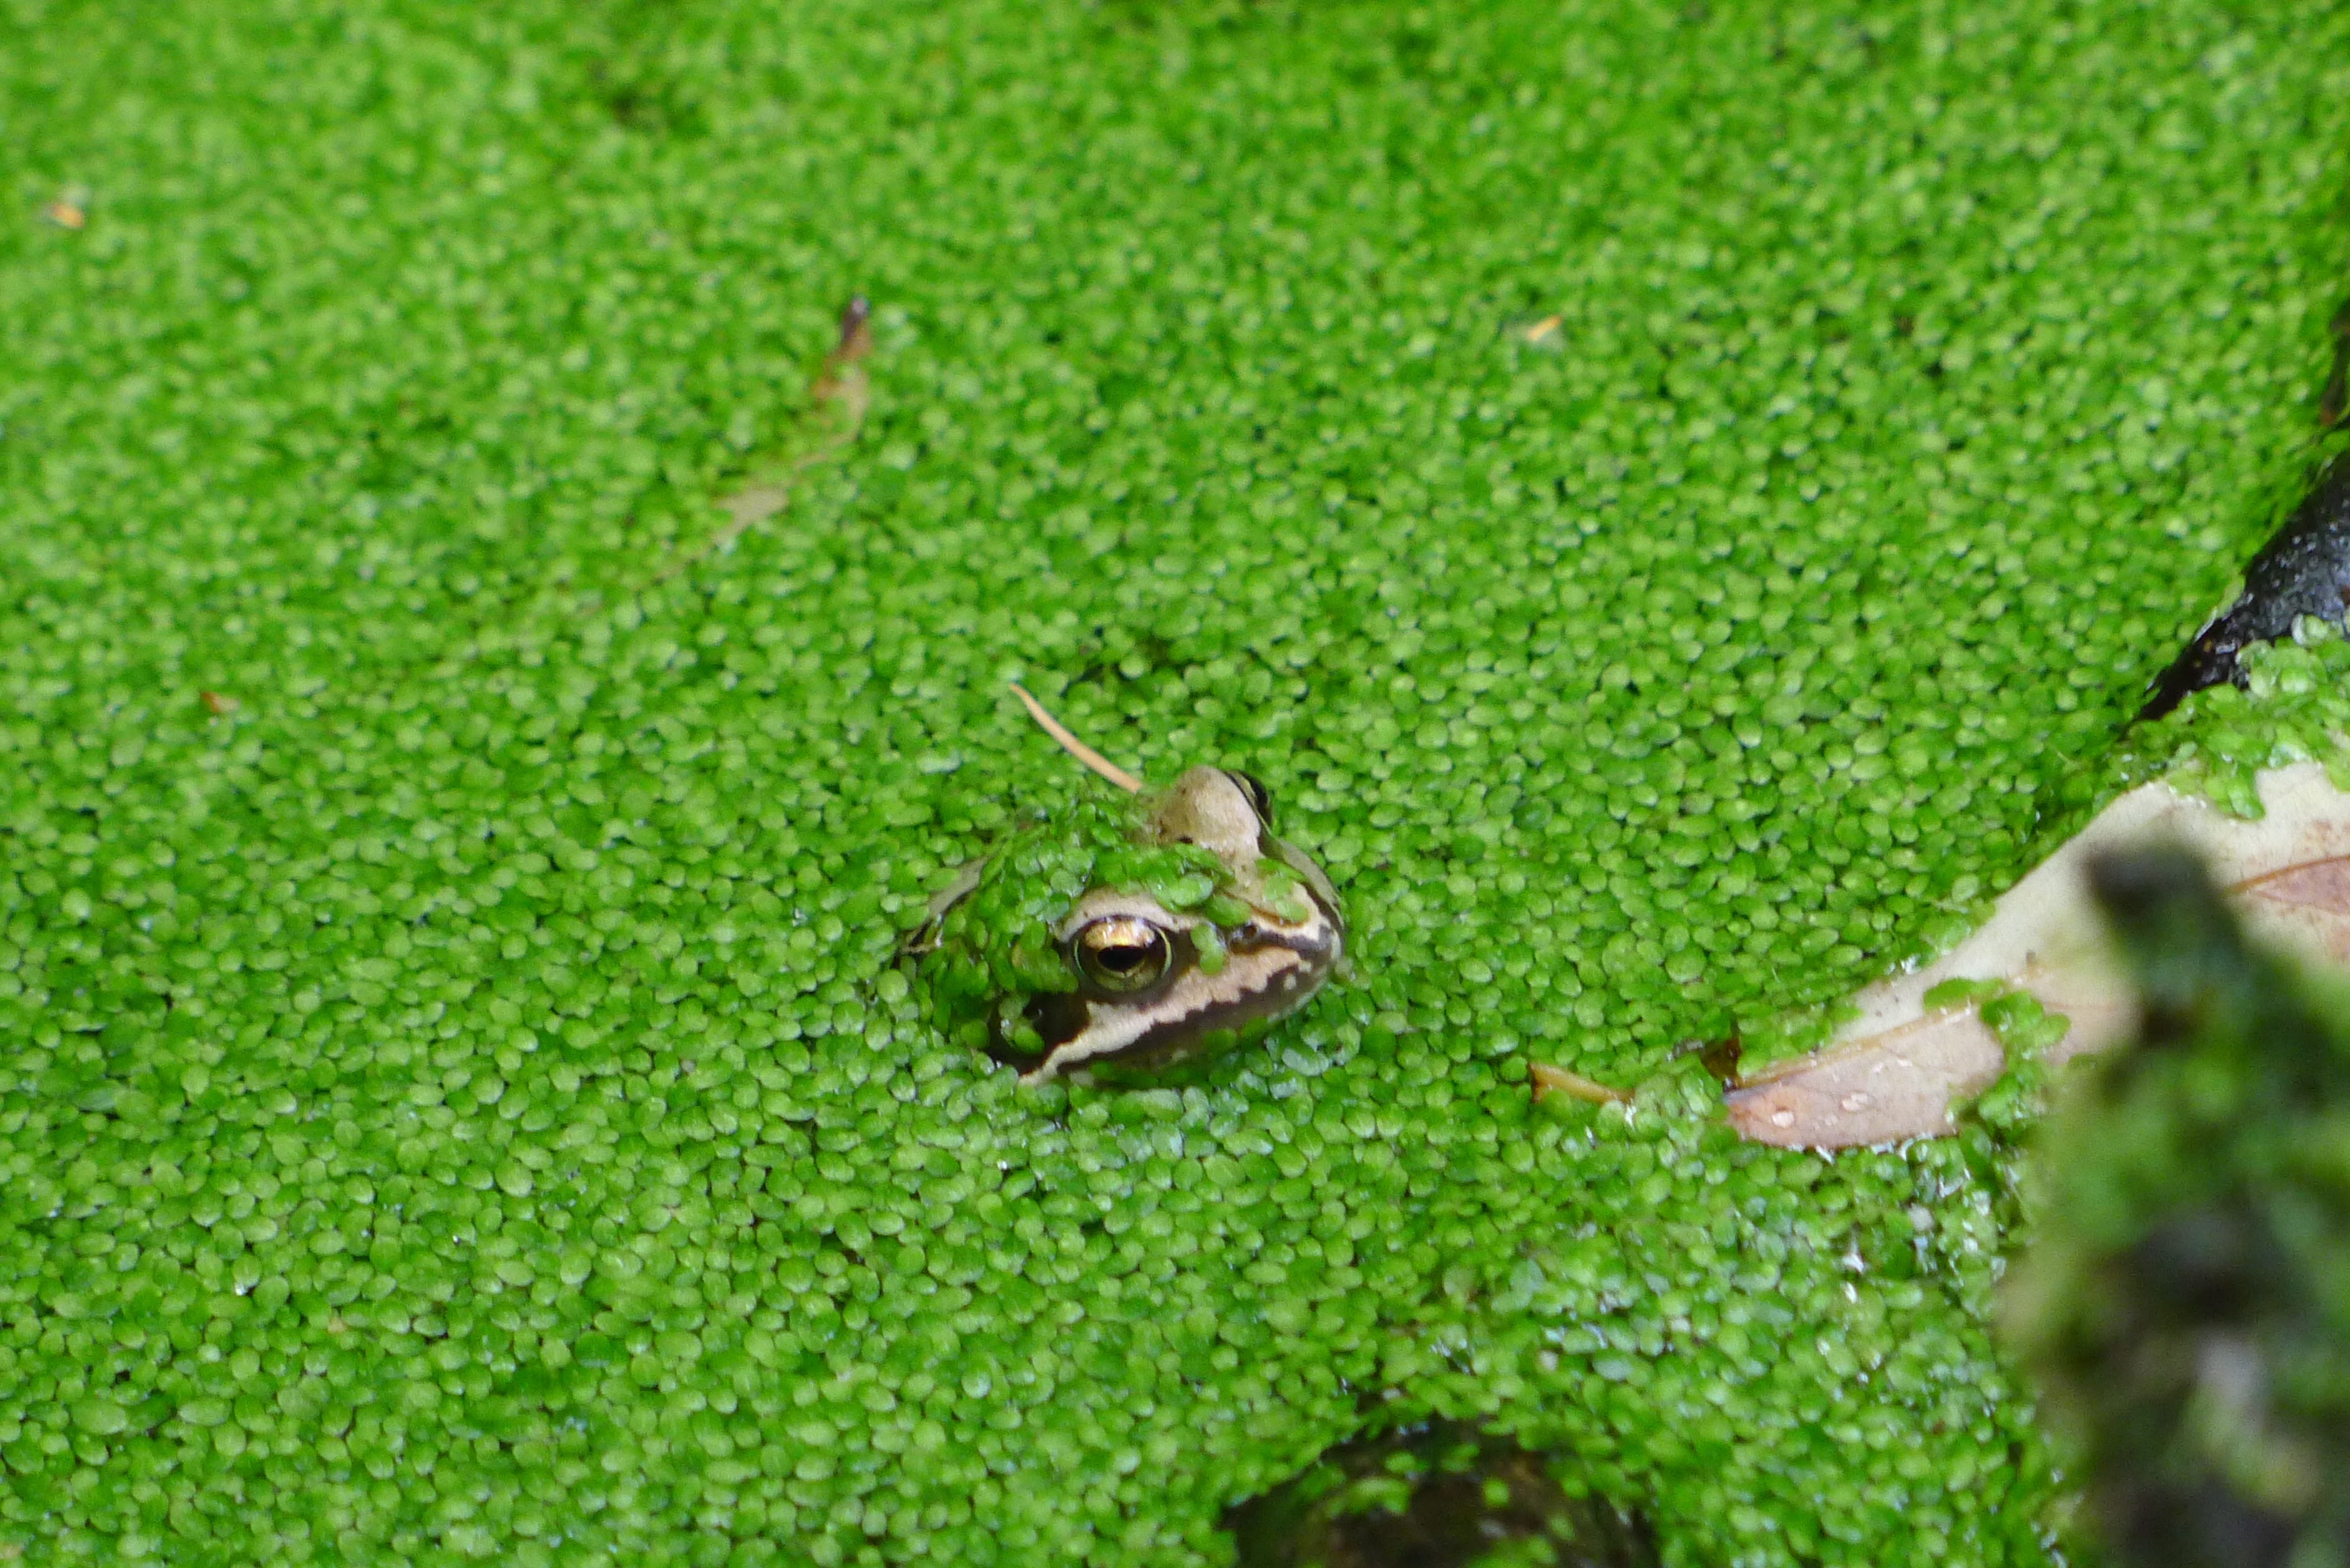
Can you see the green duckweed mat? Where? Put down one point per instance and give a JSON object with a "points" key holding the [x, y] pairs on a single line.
{"points": [[456, 1101]]}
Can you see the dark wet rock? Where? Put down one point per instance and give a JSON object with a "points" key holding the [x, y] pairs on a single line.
{"points": [[1439, 1495], [2304, 570]]}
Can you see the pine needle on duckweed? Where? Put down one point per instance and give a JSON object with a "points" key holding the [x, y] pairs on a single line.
{"points": [[1068, 742]]}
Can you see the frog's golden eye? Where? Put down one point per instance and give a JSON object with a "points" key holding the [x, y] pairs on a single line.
{"points": [[1122, 952]]}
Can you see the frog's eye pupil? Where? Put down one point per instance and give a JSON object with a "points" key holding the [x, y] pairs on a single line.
{"points": [[1122, 952]]}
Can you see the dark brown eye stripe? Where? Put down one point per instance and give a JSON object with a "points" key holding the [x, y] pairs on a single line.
{"points": [[1269, 970], [1057, 1017], [1256, 937], [1144, 1017], [1170, 1035]]}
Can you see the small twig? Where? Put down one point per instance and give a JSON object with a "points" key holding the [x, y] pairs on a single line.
{"points": [[856, 342], [1543, 328], [841, 381], [1075, 747], [1550, 1080]]}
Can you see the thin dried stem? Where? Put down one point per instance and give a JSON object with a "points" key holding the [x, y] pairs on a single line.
{"points": [[1075, 747], [1550, 1080], [839, 389]]}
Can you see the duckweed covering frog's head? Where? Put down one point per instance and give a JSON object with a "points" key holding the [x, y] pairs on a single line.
{"points": [[1123, 939]]}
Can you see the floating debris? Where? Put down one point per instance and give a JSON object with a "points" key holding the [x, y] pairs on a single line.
{"points": [[1898, 1069]]}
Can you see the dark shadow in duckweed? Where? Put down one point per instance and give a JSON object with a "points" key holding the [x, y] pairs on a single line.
{"points": [[2304, 570], [1438, 1495]]}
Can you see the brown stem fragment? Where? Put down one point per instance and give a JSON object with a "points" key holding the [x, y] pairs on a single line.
{"points": [[1550, 1080], [1075, 747], [839, 393]]}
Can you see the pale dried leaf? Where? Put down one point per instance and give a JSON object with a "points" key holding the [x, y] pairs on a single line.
{"points": [[1895, 1072]]}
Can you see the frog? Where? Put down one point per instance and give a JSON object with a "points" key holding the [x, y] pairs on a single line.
{"points": [[1129, 935]]}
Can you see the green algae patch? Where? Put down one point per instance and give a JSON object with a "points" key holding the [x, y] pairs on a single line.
{"points": [[459, 1093]]}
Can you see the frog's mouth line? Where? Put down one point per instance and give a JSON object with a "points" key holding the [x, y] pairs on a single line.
{"points": [[1271, 966]]}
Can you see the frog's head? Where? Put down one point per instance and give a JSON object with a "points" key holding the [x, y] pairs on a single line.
{"points": [[1122, 937]]}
